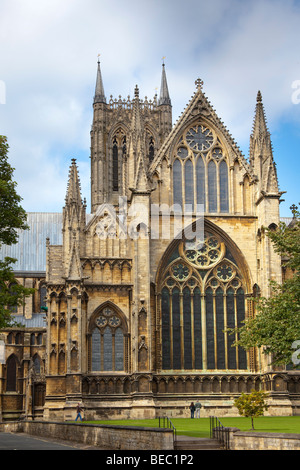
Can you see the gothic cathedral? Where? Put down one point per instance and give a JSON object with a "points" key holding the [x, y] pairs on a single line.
{"points": [[142, 290]]}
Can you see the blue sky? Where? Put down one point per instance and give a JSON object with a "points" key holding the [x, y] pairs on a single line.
{"points": [[48, 62]]}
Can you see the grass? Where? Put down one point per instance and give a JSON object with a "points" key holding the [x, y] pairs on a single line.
{"points": [[200, 427]]}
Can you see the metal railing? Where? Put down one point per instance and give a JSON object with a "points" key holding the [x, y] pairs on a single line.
{"points": [[218, 431], [165, 422]]}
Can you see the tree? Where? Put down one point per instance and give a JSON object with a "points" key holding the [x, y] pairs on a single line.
{"points": [[276, 325], [12, 218], [251, 405]]}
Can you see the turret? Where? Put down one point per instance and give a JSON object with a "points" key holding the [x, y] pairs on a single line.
{"points": [[74, 219], [261, 152], [98, 161]]}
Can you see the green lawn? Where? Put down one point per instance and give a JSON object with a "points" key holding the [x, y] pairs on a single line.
{"points": [[200, 427]]}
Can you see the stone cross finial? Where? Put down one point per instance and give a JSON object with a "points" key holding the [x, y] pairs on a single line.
{"points": [[294, 209], [199, 83]]}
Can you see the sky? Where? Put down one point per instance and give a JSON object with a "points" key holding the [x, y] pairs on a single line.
{"points": [[48, 63]]}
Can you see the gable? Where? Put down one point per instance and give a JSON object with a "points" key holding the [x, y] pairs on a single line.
{"points": [[199, 111]]}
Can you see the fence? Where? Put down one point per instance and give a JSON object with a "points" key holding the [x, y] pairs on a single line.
{"points": [[218, 431], [165, 422]]}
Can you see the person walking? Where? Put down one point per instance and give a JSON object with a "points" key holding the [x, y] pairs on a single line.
{"points": [[192, 408], [78, 411], [197, 409]]}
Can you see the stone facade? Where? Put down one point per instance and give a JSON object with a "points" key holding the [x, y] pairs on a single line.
{"points": [[140, 291]]}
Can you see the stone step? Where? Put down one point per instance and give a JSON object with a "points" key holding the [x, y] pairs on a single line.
{"points": [[185, 443]]}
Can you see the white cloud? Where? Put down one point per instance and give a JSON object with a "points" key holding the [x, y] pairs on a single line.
{"points": [[49, 48]]}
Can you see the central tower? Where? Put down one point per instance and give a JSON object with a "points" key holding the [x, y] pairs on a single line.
{"points": [[114, 128]]}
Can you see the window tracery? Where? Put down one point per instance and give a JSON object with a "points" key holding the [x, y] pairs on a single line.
{"points": [[202, 294], [200, 171], [108, 341]]}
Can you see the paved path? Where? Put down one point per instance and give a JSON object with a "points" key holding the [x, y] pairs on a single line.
{"points": [[11, 441]]}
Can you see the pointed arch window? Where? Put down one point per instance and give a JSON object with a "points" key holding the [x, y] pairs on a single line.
{"points": [[115, 166], [11, 374], [202, 295], [200, 171], [108, 342], [151, 149], [119, 152]]}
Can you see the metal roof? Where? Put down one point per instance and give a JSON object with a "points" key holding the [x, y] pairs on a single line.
{"points": [[38, 320], [30, 251], [286, 220]]}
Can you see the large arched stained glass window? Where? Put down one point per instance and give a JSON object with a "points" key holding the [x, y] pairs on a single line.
{"points": [[108, 342], [200, 171], [202, 296]]}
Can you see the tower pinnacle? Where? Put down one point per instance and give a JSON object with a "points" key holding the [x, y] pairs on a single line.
{"points": [[73, 191], [164, 92], [99, 91]]}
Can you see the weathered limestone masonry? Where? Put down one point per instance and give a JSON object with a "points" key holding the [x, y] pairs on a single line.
{"points": [[242, 440], [105, 437], [138, 295]]}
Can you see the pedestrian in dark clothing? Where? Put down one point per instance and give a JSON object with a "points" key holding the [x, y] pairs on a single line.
{"points": [[192, 408]]}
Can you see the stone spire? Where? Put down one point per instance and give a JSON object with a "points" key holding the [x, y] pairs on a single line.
{"points": [[261, 151], [260, 129], [74, 219], [73, 189], [99, 91], [164, 97]]}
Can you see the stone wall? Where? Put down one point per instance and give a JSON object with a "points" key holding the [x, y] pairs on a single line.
{"points": [[251, 440], [108, 437]]}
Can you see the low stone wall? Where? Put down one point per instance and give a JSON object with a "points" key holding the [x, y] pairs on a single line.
{"points": [[110, 437], [251, 440]]}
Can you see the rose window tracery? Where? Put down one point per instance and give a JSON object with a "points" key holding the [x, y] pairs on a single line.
{"points": [[204, 254]]}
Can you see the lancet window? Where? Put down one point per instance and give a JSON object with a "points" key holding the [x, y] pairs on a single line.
{"points": [[118, 154], [202, 294], [200, 171]]}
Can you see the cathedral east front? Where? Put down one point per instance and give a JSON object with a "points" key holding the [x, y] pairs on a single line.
{"points": [[134, 297]]}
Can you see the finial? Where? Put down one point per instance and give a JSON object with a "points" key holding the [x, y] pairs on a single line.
{"points": [[294, 209], [136, 91], [259, 97], [98, 58], [199, 83], [163, 59]]}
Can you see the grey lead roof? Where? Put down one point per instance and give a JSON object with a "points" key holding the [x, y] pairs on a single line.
{"points": [[30, 251], [37, 320]]}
